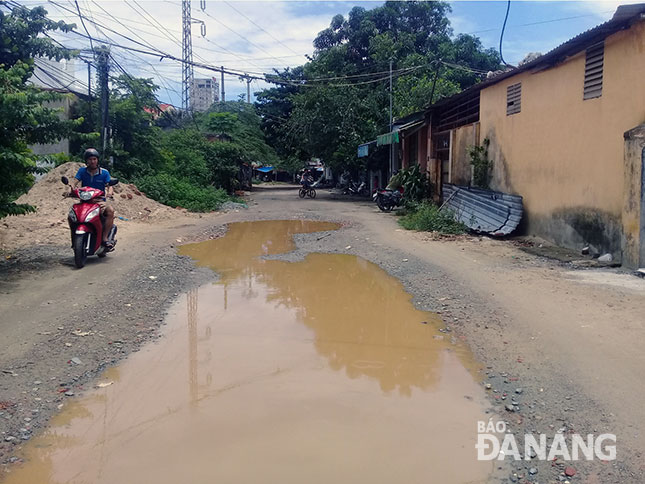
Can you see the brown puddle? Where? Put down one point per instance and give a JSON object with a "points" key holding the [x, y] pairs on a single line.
{"points": [[319, 371]]}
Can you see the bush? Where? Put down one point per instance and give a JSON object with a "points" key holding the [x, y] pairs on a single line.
{"points": [[428, 218], [482, 165], [177, 192]]}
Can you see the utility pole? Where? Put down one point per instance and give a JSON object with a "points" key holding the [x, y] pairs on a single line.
{"points": [[103, 69], [187, 56], [391, 136], [89, 94], [248, 90], [223, 92]]}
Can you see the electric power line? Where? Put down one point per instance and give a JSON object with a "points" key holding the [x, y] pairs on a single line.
{"points": [[501, 37], [263, 30]]}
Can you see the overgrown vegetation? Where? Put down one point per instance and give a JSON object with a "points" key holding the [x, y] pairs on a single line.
{"points": [[415, 184], [482, 165], [428, 218], [191, 161], [345, 102], [23, 119]]}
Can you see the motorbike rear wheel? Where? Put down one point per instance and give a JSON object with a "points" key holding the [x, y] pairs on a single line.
{"points": [[302, 193], [80, 250], [383, 205]]}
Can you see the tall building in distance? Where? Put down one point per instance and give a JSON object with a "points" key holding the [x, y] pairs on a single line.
{"points": [[203, 93]]}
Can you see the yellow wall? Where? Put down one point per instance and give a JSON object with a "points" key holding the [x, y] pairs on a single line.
{"points": [[562, 154]]}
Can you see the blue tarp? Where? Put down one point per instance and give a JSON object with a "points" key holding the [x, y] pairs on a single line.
{"points": [[265, 169]]}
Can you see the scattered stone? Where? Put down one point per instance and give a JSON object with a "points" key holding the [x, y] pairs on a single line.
{"points": [[570, 472], [585, 251], [76, 361], [519, 391], [69, 393], [533, 471], [488, 386], [510, 408]]}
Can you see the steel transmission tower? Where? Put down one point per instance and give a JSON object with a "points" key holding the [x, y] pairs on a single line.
{"points": [[187, 56]]}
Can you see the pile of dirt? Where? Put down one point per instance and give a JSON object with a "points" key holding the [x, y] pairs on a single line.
{"points": [[48, 225]]}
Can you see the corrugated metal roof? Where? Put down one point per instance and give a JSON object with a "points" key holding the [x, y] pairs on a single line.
{"points": [[623, 18], [486, 211]]}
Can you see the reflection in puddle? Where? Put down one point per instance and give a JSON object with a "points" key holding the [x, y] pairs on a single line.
{"points": [[314, 371]]}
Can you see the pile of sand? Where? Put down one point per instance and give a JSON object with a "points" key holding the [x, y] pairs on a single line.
{"points": [[49, 223]]}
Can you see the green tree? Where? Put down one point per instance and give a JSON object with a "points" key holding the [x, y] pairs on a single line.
{"points": [[24, 119], [344, 99]]}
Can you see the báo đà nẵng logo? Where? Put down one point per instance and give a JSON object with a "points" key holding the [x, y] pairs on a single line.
{"points": [[495, 442]]}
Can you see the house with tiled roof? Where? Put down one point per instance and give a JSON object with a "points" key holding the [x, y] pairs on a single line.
{"points": [[566, 131]]}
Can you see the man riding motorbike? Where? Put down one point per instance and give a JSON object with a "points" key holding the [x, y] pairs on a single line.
{"points": [[94, 176]]}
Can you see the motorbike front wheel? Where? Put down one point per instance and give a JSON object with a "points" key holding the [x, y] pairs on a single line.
{"points": [[312, 193], [80, 250]]}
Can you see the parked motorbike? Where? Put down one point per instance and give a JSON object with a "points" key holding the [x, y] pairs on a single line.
{"points": [[355, 188], [386, 199], [86, 224]]}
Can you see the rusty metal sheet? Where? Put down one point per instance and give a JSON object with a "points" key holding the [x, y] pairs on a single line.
{"points": [[485, 211]]}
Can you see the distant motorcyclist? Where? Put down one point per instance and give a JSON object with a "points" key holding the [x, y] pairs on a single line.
{"points": [[307, 179], [94, 176]]}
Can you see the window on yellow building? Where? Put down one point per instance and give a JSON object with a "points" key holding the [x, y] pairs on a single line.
{"points": [[514, 99], [594, 64]]}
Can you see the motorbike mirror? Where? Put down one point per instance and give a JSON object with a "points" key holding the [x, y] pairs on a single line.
{"points": [[64, 180], [113, 181]]}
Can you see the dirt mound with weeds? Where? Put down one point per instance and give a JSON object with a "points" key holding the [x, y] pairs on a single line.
{"points": [[48, 225]]}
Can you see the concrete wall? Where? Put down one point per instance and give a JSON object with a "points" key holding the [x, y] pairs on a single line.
{"points": [[565, 155], [61, 146], [634, 199]]}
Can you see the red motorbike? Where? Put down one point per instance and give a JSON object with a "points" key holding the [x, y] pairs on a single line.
{"points": [[86, 224]]}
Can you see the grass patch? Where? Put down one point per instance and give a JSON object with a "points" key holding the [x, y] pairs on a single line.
{"points": [[428, 218], [177, 192]]}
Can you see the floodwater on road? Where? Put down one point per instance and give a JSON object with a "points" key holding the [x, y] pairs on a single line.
{"points": [[318, 371]]}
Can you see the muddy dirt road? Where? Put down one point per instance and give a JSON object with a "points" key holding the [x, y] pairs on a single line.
{"points": [[563, 344]]}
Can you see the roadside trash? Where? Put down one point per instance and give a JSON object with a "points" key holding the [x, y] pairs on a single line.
{"points": [[605, 258], [123, 218], [348, 247], [104, 384], [76, 361], [152, 278], [405, 260], [585, 251], [78, 332], [69, 394], [68, 345]]}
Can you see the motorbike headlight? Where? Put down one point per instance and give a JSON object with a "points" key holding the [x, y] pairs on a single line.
{"points": [[93, 214], [72, 215], [85, 196]]}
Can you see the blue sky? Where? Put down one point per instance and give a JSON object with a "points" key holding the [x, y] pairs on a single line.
{"points": [[256, 36]]}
